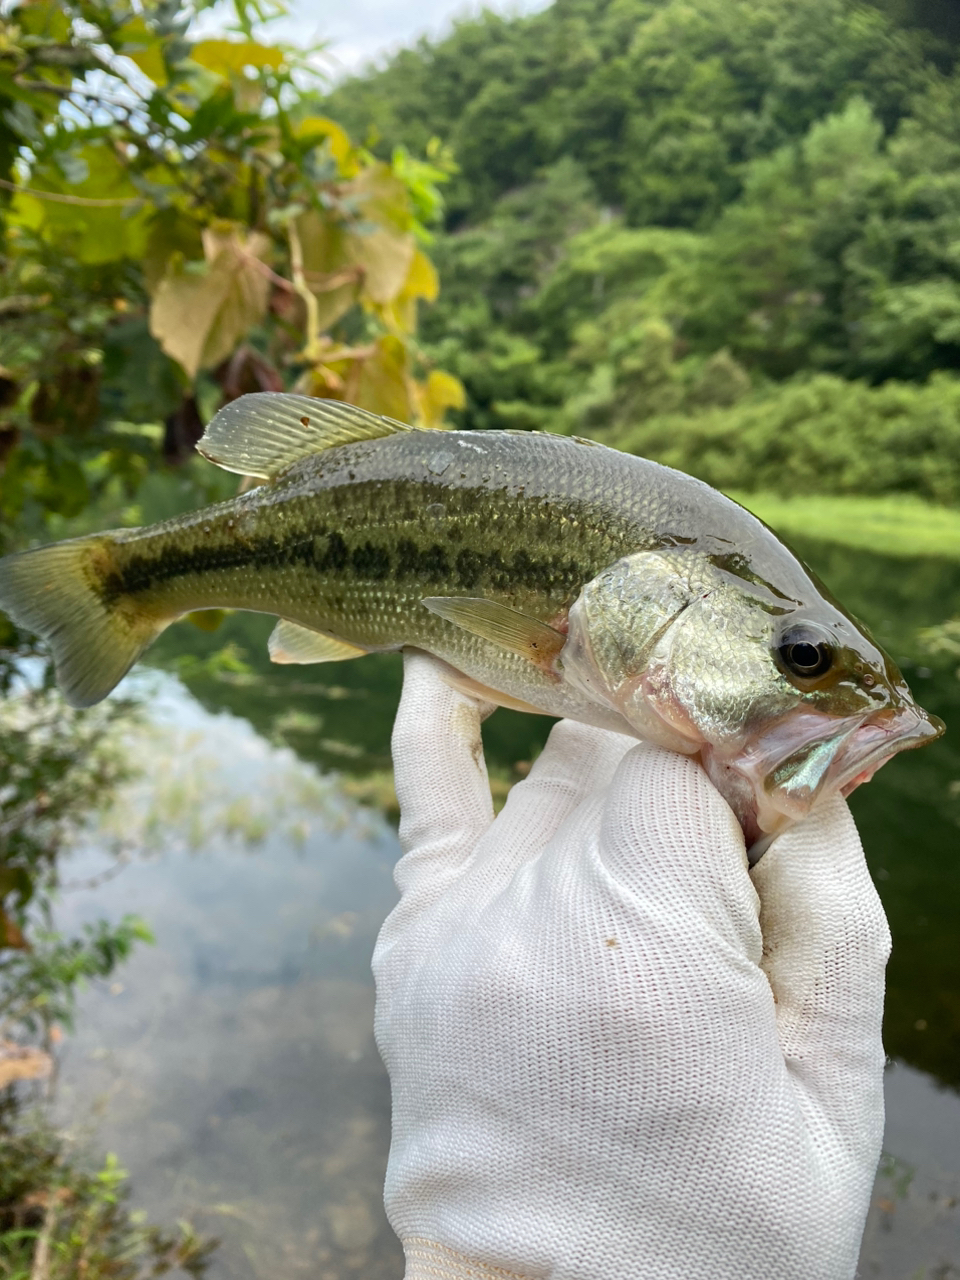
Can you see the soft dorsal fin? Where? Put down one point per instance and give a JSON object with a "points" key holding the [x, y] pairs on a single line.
{"points": [[506, 627], [266, 432], [291, 644]]}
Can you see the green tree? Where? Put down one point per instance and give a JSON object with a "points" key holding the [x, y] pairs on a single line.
{"points": [[662, 103]]}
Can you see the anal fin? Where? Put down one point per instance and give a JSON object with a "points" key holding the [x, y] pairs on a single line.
{"points": [[501, 625], [295, 645]]}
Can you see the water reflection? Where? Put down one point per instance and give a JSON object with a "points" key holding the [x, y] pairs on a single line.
{"points": [[232, 1067]]}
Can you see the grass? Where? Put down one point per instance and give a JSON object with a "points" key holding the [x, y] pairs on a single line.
{"points": [[892, 526]]}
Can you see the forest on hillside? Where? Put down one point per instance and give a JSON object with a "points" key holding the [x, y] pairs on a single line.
{"points": [[722, 233]]}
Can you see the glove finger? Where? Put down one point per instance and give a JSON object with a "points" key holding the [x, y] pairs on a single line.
{"points": [[826, 944], [577, 762], [671, 840], [440, 775]]}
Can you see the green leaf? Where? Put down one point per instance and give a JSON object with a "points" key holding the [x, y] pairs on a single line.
{"points": [[74, 221]]}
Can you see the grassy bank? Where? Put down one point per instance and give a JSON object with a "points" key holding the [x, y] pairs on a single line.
{"points": [[890, 526]]}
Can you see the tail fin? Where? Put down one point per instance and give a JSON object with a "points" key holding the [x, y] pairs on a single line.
{"points": [[59, 593]]}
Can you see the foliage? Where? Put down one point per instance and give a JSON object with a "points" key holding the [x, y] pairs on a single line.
{"points": [[179, 226], [819, 435], [663, 209], [893, 525], [182, 227], [943, 639], [661, 101], [38, 982], [57, 767], [60, 1219]]}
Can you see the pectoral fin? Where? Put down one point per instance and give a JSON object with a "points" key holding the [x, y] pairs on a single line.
{"points": [[293, 644], [503, 626]]}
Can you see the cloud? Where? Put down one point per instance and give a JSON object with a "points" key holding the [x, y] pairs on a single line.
{"points": [[367, 31]]}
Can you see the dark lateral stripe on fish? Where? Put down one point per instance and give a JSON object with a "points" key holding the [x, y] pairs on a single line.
{"points": [[330, 553]]}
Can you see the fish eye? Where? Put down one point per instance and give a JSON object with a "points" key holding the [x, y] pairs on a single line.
{"points": [[805, 654]]}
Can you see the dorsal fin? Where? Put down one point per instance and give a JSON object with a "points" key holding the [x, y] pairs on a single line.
{"points": [[266, 432], [291, 643]]}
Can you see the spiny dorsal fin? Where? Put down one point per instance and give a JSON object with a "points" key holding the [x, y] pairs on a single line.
{"points": [[266, 432], [502, 625], [293, 644]]}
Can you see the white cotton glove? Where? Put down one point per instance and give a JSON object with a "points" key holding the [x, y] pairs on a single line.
{"points": [[615, 1053]]}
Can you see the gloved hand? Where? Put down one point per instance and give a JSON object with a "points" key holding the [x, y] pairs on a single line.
{"points": [[614, 1052]]}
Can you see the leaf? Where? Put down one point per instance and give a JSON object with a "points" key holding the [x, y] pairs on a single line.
{"points": [[138, 43], [422, 282], [329, 272], [171, 231], [381, 197], [321, 127], [16, 880], [207, 619], [382, 385], [384, 258], [231, 57], [385, 252], [199, 317], [44, 18], [22, 1062], [93, 234], [440, 392]]}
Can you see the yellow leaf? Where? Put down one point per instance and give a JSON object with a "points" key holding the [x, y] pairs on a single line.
{"points": [[200, 316], [384, 247], [207, 619], [422, 280], [231, 57], [382, 385], [321, 127], [151, 63], [329, 273], [384, 258], [440, 392], [381, 197]]}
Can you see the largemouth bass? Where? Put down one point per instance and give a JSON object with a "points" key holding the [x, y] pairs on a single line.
{"points": [[551, 574]]}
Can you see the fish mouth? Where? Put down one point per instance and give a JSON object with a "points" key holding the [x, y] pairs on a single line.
{"points": [[878, 740], [775, 781]]}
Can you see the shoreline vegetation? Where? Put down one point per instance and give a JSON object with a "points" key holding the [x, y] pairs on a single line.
{"points": [[890, 525]]}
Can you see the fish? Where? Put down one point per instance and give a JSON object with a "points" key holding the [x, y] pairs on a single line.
{"points": [[550, 574]]}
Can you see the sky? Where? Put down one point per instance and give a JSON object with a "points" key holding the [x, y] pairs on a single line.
{"points": [[359, 32]]}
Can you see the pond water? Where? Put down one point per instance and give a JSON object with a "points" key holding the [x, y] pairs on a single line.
{"points": [[232, 1066]]}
